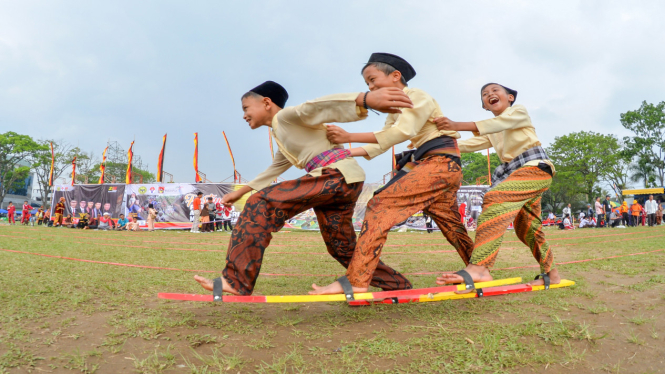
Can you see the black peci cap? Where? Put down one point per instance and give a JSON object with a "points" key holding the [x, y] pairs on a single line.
{"points": [[408, 72], [509, 90], [272, 90]]}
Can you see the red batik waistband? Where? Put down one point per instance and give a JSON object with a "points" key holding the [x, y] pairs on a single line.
{"points": [[326, 158]]}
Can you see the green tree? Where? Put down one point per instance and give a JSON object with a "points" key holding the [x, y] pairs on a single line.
{"points": [[644, 171], [41, 161], [474, 166], [583, 159], [648, 124], [14, 148], [618, 172]]}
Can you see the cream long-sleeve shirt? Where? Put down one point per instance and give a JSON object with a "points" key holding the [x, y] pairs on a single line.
{"points": [[300, 133], [412, 124], [510, 133]]}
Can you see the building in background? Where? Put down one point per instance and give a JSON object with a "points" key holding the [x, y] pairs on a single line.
{"points": [[23, 193]]}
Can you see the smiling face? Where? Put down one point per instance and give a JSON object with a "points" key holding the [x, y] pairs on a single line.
{"points": [[91, 204], [107, 206], [496, 99], [73, 203], [375, 78], [256, 111], [98, 205], [82, 204]]}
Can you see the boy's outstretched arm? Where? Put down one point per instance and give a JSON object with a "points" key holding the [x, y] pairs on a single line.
{"points": [[445, 123], [338, 135]]}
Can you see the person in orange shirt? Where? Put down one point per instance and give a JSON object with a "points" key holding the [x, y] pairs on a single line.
{"points": [[635, 210], [196, 208], [623, 211]]}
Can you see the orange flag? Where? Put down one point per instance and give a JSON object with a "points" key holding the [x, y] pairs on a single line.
{"points": [[160, 162], [196, 157], [235, 174], [130, 155], [50, 175], [73, 170], [102, 166]]}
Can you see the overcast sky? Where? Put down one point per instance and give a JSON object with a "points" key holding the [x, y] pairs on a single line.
{"points": [[92, 71]]}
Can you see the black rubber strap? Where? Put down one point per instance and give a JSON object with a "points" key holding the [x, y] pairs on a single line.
{"points": [[546, 279], [467, 279], [217, 289], [347, 287], [365, 100], [479, 292]]}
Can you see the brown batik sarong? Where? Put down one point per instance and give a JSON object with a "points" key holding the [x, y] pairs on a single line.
{"points": [[431, 186], [266, 212]]}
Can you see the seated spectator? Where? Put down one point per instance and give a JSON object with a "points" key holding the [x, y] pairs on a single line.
{"points": [[122, 223], [586, 222], [47, 218], [615, 219], [567, 225], [134, 225], [67, 222], [93, 223], [105, 223], [83, 221]]}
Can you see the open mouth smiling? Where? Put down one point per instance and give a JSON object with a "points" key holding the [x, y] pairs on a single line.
{"points": [[493, 100]]}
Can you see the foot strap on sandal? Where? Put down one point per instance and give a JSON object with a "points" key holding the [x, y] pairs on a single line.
{"points": [[546, 279], [217, 287], [347, 287], [468, 280]]}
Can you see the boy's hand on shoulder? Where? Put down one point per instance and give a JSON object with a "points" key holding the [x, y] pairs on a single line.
{"points": [[388, 100], [337, 135], [231, 198], [445, 123]]}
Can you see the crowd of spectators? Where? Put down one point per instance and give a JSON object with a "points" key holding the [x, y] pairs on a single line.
{"points": [[605, 214]]}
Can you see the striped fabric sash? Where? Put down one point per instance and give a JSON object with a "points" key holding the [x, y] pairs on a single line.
{"points": [[504, 170], [327, 158]]}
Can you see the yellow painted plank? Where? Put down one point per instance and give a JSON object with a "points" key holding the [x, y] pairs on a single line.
{"points": [[564, 283], [493, 283], [370, 295]]}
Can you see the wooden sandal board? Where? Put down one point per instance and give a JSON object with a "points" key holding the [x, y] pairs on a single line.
{"points": [[412, 293], [480, 292]]}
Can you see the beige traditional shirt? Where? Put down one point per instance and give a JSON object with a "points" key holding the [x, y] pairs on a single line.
{"points": [[413, 124], [510, 133], [300, 133]]}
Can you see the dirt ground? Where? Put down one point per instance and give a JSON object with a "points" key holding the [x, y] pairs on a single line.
{"points": [[61, 315]]}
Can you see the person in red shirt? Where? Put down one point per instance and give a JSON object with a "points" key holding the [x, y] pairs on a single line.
{"points": [[462, 211], [11, 212], [25, 213], [59, 212]]}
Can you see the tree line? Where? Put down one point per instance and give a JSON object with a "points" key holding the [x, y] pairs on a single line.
{"points": [[17, 150]]}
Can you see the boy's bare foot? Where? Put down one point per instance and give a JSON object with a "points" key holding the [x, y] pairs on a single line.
{"points": [[477, 273], [333, 289], [555, 278], [208, 285]]}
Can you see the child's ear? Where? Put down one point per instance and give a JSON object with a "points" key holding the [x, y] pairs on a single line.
{"points": [[511, 99], [396, 75]]}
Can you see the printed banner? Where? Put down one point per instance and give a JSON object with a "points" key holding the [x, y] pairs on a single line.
{"points": [[93, 199], [173, 203]]}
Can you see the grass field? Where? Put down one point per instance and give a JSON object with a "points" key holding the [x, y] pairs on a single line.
{"points": [[59, 315]]}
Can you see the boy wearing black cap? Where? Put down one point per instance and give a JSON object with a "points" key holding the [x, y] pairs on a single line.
{"points": [[517, 185], [428, 178], [332, 184]]}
